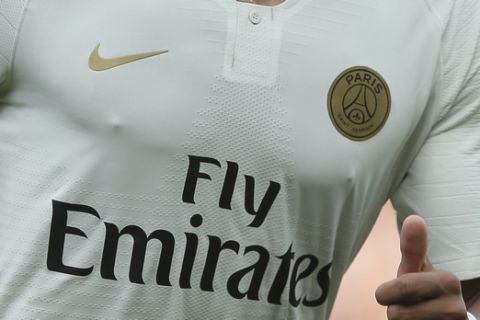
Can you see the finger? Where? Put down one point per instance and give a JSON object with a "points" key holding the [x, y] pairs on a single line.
{"points": [[411, 288], [413, 245], [450, 307]]}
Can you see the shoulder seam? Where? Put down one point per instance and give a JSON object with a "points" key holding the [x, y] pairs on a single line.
{"points": [[434, 13], [441, 59], [19, 28], [11, 59]]}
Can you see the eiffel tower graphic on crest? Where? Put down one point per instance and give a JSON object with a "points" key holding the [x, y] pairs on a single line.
{"points": [[359, 104]]}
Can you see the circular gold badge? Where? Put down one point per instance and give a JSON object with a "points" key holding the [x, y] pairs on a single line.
{"points": [[359, 103]]}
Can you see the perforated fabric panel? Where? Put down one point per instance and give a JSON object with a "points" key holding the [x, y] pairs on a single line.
{"points": [[271, 145], [11, 12], [444, 181], [460, 52]]}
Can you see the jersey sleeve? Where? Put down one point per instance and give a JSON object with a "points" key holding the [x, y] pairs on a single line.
{"points": [[11, 13], [443, 182]]}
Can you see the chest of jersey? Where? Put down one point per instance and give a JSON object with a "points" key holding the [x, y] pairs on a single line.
{"points": [[234, 75], [277, 128], [311, 84]]}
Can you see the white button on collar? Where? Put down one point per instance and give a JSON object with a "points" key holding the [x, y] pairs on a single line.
{"points": [[255, 17]]}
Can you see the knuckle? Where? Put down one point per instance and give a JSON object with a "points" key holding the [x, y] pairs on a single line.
{"points": [[450, 282], [405, 286]]}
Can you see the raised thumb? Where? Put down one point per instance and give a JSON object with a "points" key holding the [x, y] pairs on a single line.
{"points": [[413, 245]]}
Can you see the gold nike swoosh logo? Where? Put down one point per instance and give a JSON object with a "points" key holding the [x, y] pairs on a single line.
{"points": [[97, 63]]}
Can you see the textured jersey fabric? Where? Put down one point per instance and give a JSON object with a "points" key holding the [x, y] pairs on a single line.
{"points": [[443, 182], [236, 175]]}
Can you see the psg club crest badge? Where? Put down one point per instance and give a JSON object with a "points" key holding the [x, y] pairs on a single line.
{"points": [[359, 103]]}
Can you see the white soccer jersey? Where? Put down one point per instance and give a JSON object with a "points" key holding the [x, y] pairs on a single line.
{"points": [[213, 159]]}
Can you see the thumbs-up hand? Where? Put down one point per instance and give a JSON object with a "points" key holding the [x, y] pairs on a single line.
{"points": [[420, 292], [413, 245]]}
